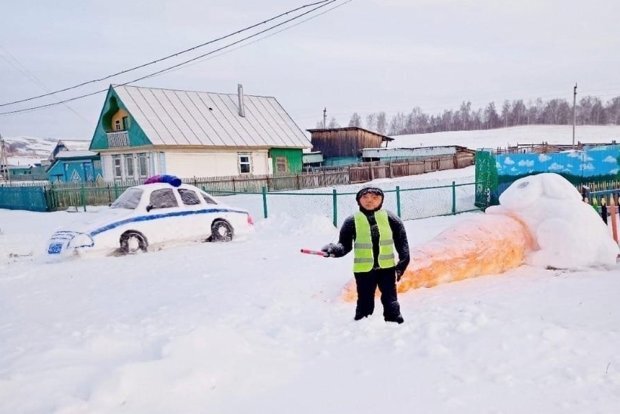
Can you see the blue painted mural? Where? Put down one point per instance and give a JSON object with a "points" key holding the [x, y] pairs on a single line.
{"points": [[495, 172], [599, 162]]}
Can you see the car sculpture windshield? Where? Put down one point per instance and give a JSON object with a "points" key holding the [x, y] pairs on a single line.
{"points": [[129, 199]]}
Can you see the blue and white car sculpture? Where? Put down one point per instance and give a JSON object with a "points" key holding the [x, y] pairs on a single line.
{"points": [[152, 214]]}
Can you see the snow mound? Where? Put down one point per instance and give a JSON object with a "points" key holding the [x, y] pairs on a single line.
{"points": [[568, 233]]}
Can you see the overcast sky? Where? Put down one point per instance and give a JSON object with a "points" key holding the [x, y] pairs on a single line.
{"points": [[365, 56]]}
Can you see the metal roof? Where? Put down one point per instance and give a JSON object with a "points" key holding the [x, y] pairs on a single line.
{"points": [[352, 128], [182, 118], [75, 154]]}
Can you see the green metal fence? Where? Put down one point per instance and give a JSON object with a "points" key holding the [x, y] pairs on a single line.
{"points": [[337, 203], [32, 198], [407, 203]]}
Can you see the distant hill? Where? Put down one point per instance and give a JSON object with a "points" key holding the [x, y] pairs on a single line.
{"points": [[31, 150], [504, 137]]}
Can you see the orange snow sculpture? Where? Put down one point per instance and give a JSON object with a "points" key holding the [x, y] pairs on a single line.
{"points": [[487, 244]]}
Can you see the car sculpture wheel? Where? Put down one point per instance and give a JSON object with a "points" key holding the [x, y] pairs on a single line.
{"points": [[132, 242], [221, 231]]}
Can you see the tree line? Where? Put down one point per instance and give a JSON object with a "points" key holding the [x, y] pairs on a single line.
{"points": [[589, 110]]}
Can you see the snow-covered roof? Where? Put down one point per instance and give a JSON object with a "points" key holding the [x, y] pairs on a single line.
{"points": [[175, 117], [75, 154], [75, 145]]}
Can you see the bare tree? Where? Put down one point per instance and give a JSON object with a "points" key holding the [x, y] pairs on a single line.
{"points": [[506, 112], [371, 122], [397, 124], [519, 112], [333, 123], [464, 116], [590, 110], [613, 110], [381, 123], [356, 120]]}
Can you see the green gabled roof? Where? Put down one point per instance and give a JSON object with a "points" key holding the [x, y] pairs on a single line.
{"points": [[137, 137]]}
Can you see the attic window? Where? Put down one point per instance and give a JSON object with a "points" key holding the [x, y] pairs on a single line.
{"points": [[117, 125]]}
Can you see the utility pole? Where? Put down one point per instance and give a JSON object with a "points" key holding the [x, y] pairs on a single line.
{"points": [[574, 117], [324, 118], [4, 165]]}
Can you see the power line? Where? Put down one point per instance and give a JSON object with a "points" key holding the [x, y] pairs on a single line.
{"points": [[159, 72], [17, 65], [169, 56], [270, 35]]}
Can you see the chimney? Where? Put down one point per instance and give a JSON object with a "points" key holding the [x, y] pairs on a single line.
{"points": [[240, 96]]}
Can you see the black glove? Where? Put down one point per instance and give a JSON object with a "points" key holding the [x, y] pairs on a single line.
{"points": [[330, 249], [399, 274]]}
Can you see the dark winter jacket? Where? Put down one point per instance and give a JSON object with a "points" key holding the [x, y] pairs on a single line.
{"points": [[347, 236]]}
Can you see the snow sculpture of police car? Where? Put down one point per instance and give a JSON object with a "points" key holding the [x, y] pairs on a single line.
{"points": [[159, 211]]}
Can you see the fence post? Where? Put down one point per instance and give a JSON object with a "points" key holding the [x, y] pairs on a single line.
{"points": [[298, 183], [115, 190], [335, 205], [50, 199], [83, 196], [453, 198], [398, 201], [265, 201]]}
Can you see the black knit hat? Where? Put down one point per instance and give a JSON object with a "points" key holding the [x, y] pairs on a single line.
{"points": [[369, 190]]}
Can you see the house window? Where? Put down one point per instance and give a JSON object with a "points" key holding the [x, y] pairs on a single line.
{"points": [[245, 164], [125, 123], [129, 166], [118, 167], [143, 169], [281, 165], [117, 125]]}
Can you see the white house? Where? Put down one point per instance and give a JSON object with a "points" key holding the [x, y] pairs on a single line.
{"points": [[148, 131]]}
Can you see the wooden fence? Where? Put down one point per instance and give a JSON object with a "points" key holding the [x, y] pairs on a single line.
{"points": [[63, 195]]}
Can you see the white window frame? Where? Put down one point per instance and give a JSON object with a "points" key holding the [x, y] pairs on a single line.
{"points": [[129, 162], [143, 156], [119, 166], [243, 163]]}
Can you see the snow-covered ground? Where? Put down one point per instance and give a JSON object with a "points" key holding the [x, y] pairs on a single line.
{"points": [[504, 137], [255, 326]]}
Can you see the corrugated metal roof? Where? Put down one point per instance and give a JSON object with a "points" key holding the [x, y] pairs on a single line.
{"points": [[174, 117]]}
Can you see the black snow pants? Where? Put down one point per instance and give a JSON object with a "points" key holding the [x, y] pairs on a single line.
{"points": [[367, 284]]}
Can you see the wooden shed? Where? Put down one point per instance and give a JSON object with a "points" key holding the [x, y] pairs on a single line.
{"points": [[345, 142]]}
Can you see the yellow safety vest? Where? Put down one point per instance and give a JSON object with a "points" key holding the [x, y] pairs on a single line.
{"points": [[363, 256]]}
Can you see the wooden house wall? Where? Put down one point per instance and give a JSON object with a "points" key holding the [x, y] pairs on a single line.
{"points": [[343, 143]]}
